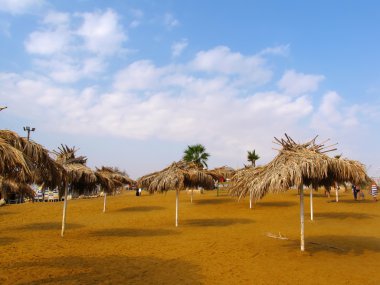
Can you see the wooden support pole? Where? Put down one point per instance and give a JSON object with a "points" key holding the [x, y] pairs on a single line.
{"points": [[104, 203], [302, 219], [250, 199], [176, 208], [64, 211], [311, 205]]}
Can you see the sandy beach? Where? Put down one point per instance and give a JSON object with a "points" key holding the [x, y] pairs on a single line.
{"points": [[218, 241]]}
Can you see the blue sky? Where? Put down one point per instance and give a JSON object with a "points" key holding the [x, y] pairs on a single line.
{"points": [[132, 83]]}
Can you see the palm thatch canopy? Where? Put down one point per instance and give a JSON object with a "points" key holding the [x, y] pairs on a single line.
{"points": [[75, 167], [296, 165], [43, 168], [223, 171], [16, 187], [177, 176], [116, 174], [12, 163]]}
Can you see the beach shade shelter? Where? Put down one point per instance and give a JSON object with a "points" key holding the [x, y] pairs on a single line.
{"points": [[110, 179], [11, 186], [79, 175], [42, 169], [178, 176], [221, 174], [12, 163], [297, 165]]}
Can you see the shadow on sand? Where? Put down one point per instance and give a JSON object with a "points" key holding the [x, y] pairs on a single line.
{"points": [[7, 240], [343, 215], [108, 270], [48, 226], [121, 232], [368, 201], [216, 222], [276, 204], [212, 201], [141, 209], [339, 244]]}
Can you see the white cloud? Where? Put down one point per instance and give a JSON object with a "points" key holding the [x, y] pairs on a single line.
{"points": [[333, 114], [299, 83], [178, 47], [48, 42], [222, 60], [20, 6], [102, 32], [170, 21], [277, 50]]}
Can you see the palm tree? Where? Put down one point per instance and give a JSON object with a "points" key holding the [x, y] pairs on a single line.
{"points": [[196, 153], [252, 157]]}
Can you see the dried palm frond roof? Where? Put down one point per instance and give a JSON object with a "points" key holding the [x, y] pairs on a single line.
{"points": [[42, 166], [12, 163], [116, 174], [223, 171], [295, 165], [177, 176], [17, 187], [76, 169]]}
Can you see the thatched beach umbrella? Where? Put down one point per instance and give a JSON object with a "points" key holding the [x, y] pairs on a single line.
{"points": [[12, 186], [297, 165], [177, 176], [42, 169], [78, 173], [111, 178], [12, 163]]}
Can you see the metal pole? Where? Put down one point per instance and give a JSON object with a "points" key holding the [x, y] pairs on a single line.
{"points": [[250, 199]]}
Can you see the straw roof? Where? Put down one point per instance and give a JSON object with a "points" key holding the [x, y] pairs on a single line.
{"points": [[223, 171], [12, 163], [177, 176], [42, 167], [75, 167], [296, 165], [17, 187], [116, 174]]}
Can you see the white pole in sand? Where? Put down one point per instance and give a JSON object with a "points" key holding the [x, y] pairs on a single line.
{"points": [[64, 211], [336, 194], [250, 199], [311, 204], [176, 208], [104, 203], [192, 190], [302, 219]]}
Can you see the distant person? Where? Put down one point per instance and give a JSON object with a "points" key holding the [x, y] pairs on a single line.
{"points": [[374, 191], [137, 191], [140, 191], [355, 191]]}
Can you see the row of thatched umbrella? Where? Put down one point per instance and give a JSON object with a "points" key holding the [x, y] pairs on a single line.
{"points": [[24, 162], [297, 165]]}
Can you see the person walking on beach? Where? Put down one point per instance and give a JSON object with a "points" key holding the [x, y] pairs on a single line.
{"points": [[374, 191]]}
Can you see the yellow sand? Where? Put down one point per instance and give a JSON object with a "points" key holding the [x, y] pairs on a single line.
{"points": [[218, 241]]}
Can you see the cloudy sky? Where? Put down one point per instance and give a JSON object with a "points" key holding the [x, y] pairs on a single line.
{"points": [[132, 83]]}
